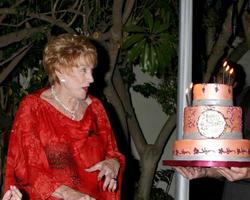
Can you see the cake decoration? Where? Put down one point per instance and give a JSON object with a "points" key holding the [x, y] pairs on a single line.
{"points": [[211, 124]]}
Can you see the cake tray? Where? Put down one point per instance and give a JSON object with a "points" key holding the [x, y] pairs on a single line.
{"points": [[202, 163]]}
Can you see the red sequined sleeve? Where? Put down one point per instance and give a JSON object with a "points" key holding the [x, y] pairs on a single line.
{"points": [[27, 165]]}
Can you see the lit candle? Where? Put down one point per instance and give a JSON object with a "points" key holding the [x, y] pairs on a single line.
{"points": [[191, 86], [224, 65], [230, 72]]}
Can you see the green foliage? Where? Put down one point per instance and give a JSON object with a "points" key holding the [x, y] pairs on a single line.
{"points": [[146, 89], [151, 41], [127, 75], [165, 176], [165, 93]]}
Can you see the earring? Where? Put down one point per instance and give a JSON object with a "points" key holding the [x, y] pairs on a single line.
{"points": [[62, 80]]}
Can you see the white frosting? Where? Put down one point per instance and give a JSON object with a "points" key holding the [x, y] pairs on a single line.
{"points": [[211, 124]]}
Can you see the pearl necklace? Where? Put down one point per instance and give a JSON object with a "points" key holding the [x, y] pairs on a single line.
{"points": [[71, 112]]}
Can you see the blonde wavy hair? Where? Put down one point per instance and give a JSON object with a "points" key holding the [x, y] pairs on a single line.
{"points": [[66, 51]]}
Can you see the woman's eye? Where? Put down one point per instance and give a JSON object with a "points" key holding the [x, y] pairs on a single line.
{"points": [[84, 70]]}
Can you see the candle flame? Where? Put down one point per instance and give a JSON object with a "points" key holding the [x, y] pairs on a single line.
{"points": [[227, 68], [225, 64], [187, 91], [231, 71], [191, 86]]}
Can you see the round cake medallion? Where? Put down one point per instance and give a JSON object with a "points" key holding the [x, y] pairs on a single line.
{"points": [[211, 124]]}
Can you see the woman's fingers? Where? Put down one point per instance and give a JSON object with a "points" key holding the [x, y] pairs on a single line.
{"points": [[234, 173], [108, 169], [15, 192], [112, 185], [7, 195]]}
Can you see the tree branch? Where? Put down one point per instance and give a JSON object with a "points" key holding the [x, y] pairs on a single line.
{"points": [[10, 38], [166, 131], [52, 21], [13, 63], [75, 16], [132, 122], [2, 17], [127, 10], [218, 49], [13, 55], [246, 26], [42, 17], [237, 53]]}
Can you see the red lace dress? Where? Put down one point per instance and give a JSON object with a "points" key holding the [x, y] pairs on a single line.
{"points": [[47, 149]]}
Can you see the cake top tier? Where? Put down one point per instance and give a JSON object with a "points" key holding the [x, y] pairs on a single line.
{"points": [[212, 94]]}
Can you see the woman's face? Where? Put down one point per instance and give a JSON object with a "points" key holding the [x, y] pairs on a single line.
{"points": [[78, 81]]}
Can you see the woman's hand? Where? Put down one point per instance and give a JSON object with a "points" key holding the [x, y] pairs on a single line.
{"points": [[12, 194], [108, 170], [234, 173], [192, 172], [76, 195], [67, 193]]}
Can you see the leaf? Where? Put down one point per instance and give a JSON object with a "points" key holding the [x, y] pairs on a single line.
{"points": [[153, 63], [148, 18], [144, 59], [159, 27], [135, 52], [131, 40]]}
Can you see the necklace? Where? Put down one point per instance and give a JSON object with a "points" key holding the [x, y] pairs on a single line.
{"points": [[71, 112]]}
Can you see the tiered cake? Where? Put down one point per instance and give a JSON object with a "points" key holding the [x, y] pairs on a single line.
{"points": [[212, 127]]}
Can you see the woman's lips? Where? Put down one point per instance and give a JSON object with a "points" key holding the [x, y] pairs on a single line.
{"points": [[85, 88]]}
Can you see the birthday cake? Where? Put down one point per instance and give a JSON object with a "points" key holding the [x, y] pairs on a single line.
{"points": [[212, 127]]}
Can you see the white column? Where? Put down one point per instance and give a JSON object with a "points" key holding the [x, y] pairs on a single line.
{"points": [[184, 80]]}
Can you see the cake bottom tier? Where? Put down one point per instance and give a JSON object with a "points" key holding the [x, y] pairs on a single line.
{"points": [[212, 150]]}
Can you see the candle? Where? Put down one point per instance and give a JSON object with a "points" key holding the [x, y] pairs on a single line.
{"points": [[187, 97], [230, 72], [190, 92], [227, 68], [224, 65]]}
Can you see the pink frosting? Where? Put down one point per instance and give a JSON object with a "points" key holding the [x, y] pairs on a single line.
{"points": [[212, 91]]}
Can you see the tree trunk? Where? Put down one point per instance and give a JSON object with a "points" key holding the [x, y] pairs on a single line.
{"points": [[148, 165]]}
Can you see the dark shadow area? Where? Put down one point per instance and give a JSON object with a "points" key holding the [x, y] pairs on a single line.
{"points": [[131, 174], [206, 189], [198, 42], [99, 72]]}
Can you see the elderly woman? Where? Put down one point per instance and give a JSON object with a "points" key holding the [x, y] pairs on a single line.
{"points": [[62, 145]]}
